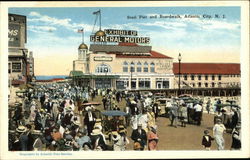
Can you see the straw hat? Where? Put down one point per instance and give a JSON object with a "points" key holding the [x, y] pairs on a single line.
{"points": [[21, 129], [122, 131], [96, 132], [37, 132], [98, 120], [77, 123], [115, 133]]}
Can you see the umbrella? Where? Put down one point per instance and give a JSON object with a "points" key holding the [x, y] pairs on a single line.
{"points": [[114, 113]]}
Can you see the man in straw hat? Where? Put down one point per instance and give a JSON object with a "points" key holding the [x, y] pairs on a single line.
{"points": [[218, 131], [139, 135], [98, 140], [23, 138]]}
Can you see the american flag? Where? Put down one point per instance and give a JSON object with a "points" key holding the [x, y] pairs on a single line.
{"points": [[80, 30]]}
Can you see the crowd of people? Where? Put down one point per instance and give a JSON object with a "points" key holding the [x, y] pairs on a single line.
{"points": [[52, 117]]}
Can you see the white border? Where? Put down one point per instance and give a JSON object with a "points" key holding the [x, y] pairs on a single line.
{"points": [[5, 154]]}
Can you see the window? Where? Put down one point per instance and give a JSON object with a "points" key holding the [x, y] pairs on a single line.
{"points": [[192, 77], [199, 77], [132, 67], [9, 69], [199, 84], [139, 67], [152, 67], [213, 77], [219, 84], [102, 68], [213, 85], [193, 84], [145, 68], [219, 77], [16, 67], [125, 67], [206, 77], [144, 82], [185, 77], [206, 85]]}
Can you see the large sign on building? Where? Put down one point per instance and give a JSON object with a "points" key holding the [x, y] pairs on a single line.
{"points": [[17, 29], [118, 36]]}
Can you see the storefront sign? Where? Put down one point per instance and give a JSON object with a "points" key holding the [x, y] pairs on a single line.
{"points": [[103, 58]]}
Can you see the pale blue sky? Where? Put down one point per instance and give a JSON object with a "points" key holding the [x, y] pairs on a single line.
{"points": [[53, 31]]}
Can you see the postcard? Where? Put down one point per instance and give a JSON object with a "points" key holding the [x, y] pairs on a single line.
{"points": [[128, 79]]}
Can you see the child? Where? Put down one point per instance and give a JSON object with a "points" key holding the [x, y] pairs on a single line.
{"points": [[206, 140]]}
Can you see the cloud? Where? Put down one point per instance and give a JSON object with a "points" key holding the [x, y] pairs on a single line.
{"points": [[56, 22], [41, 29]]}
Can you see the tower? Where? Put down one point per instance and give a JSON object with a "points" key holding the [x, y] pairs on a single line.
{"points": [[82, 64]]}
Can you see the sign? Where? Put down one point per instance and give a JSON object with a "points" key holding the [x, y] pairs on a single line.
{"points": [[120, 39], [14, 35], [120, 36], [120, 32], [103, 58]]}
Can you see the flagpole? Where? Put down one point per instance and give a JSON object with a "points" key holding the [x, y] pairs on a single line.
{"points": [[82, 35]]}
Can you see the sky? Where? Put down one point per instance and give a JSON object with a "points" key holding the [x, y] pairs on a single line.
{"points": [[53, 38]]}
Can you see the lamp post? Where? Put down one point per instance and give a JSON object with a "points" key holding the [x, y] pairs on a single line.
{"points": [[179, 84]]}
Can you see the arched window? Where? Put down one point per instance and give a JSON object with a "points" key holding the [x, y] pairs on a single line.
{"points": [[132, 67], [152, 67], [125, 66], [139, 67], [103, 68], [145, 67]]}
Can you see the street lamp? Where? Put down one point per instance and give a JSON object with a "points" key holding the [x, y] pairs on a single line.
{"points": [[179, 84]]}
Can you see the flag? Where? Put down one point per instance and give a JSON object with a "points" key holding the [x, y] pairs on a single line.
{"points": [[80, 31], [99, 11]]}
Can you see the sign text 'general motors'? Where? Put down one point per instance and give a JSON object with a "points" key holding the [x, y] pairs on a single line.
{"points": [[118, 36]]}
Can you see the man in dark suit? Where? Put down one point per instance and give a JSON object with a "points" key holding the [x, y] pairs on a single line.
{"points": [[89, 120], [139, 135]]}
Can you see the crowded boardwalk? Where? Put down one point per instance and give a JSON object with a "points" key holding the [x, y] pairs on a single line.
{"points": [[62, 117]]}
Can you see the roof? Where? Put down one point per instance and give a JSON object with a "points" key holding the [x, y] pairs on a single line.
{"points": [[75, 73], [128, 48], [154, 54], [207, 68]]}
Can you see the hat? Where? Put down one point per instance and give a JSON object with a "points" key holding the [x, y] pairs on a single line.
{"points": [[88, 108], [21, 129], [68, 137], [237, 126], [98, 120], [115, 133], [121, 126], [77, 123], [37, 132], [206, 132], [133, 102], [122, 131], [96, 132], [137, 146]]}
